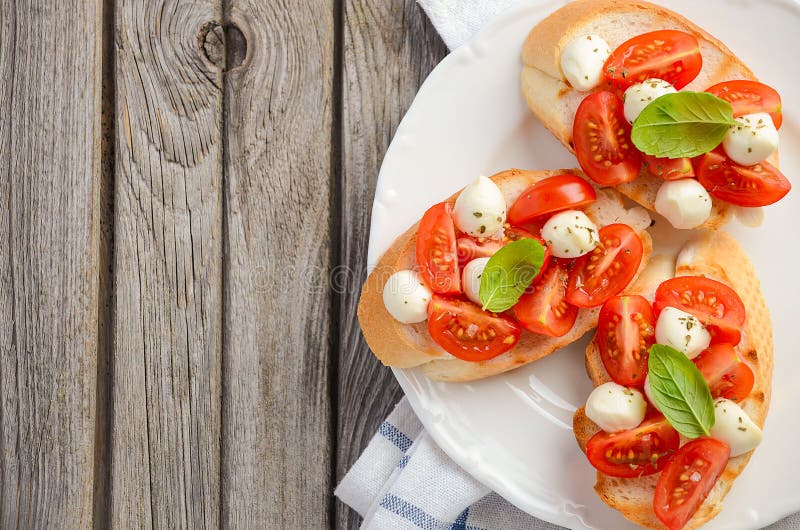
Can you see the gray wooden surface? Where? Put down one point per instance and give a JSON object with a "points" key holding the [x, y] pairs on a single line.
{"points": [[389, 49], [185, 189]]}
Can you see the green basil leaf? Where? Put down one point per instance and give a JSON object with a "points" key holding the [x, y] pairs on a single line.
{"points": [[509, 272], [680, 391], [682, 124]]}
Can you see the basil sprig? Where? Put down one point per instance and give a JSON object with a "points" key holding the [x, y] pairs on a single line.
{"points": [[683, 124], [680, 391], [509, 272]]}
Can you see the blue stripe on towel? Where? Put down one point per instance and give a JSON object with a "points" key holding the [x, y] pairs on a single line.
{"points": [[461, 521], [393, 434], [419, 518], [408, 511]]}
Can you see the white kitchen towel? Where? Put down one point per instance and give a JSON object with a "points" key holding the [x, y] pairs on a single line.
{"points": [[403, 481], [458, 20]]}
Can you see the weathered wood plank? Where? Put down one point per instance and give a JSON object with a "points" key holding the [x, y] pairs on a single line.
{"points": [[276, 464], [50, 169], [389, 49], [167, 268]]}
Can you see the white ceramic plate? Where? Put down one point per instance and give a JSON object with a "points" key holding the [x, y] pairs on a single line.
{"points": [[513, 431]]}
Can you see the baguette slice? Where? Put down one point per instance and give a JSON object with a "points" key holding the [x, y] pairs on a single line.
{"points": [[407, 346], [716, 255], [554, 101]]}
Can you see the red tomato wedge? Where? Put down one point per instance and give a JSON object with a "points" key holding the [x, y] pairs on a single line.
{"points": [[727, 376], [687, 479], [466, 331], [641, 451], [667, 168], [759, 185], [602, 139], [608, 269], [625, 332], [469, 248], [437, 257], [544, 310], [715, 304], [553, 194], [749, 97], [671, 55]]}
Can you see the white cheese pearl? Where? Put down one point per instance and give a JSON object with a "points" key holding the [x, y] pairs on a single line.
{"points": [[734, 427], [648, 391], [615, 407], [753, 139], [570, 234], [471, 278], [582, 61], [406, 297], [685, 203], [480, 209], [682, 331], [638, 96]]}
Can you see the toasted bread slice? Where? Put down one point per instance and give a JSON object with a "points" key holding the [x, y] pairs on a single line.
{"points": [[716, 255], [554, 101], [406, 346]]}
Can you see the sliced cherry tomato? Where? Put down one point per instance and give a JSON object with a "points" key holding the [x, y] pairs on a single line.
{"points": [[543, 310], [553, 194], [602, 139], [468, 332], [749, 97], [436, 250], [687, 479], [625, 332], [671, 55], [470, 248], [727, 376], [608, 269], [641, 451], [758, 185], [668, 168], [714, 303]]}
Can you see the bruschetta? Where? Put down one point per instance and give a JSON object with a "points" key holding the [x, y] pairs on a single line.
{"points": [[654, 105], [559, 245], [646, 470]]}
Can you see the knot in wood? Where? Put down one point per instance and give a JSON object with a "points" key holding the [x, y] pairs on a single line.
{"points": [[223, 46]]}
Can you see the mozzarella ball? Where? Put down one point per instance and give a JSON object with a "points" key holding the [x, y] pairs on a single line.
{"points": [[615, 407], [638, 96], [570, 234], [406, 297], [582, 61], [471, 278], [734, 427], [648, 391], [480, 209], [752, 139], [682, 331], [685, 203]]}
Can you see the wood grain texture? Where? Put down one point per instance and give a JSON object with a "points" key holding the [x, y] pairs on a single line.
{"points": [[49, 174], [167, 268], [277, 437], [389, 49]]}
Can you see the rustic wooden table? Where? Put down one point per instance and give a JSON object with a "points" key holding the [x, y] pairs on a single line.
{"points": [[179, 183]]}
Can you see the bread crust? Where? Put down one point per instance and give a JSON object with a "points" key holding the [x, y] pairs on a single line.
{"points": [[719, 256], [554, 101], [407, 346]]}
